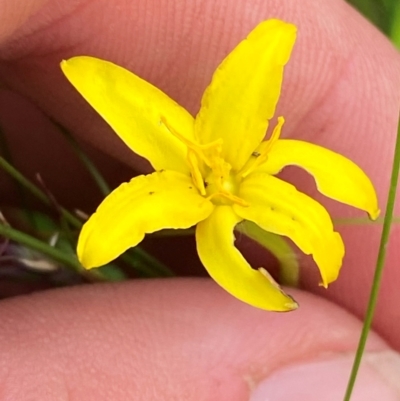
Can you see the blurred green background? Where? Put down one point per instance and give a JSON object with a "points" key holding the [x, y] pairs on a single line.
{"points": [[385, 14]]}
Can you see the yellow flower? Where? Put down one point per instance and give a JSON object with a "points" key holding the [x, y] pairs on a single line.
{"points": [[215, 170]]}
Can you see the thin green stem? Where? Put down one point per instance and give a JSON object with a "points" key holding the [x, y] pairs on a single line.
{"points": [[41, 247], [58, 255], [92, 169], [395, 24], [6, 153], [31, 187], [380, 263], [22, 180]]}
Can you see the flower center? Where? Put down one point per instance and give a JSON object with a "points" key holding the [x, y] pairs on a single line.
{"points": [[211, 174], [222, 189]]}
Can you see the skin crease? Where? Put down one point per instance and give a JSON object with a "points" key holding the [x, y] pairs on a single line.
{"points": [[340, 90]]}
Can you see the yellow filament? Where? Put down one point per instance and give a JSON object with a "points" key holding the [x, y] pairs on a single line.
{"points": [[200, 150], [276, 133], [197, 177], [261, 154]]}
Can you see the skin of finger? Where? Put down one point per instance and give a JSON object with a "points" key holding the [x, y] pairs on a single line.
{"points": [[15, 13], [176, 339], [340, 90]]}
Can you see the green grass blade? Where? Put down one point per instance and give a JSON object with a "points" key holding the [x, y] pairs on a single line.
{"points": [[377, 11], [65, 259], [40, 246], [395, 24], [379, 268], [85, 159], [6, 153], [34, 190]]}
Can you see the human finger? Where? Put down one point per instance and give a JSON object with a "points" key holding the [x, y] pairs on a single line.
{"points": [[182, 339]]}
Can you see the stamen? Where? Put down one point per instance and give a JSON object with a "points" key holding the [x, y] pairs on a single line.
{"points": [[276, 133], [200, 150], [195, 171], [261, 153], [210, 155]]}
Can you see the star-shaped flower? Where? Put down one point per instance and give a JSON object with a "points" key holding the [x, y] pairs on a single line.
{"points": [[216, 170]]}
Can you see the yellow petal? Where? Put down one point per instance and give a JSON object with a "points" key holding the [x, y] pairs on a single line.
{"points": [[278, 207], [133, 108], [289, 270], [146, 204], [336, 176], [226, 265], [244, 91]]}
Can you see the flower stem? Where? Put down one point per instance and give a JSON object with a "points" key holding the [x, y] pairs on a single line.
{"points": [[379, 268]]}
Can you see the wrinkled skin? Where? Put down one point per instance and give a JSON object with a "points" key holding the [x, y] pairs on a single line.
{"points": [[341, 90]]}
